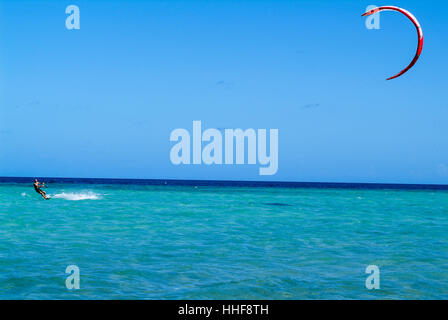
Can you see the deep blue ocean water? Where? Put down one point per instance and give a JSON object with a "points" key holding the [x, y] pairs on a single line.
{"points": [[212, 240]]}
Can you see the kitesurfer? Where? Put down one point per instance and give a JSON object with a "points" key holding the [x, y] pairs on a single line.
{"points": [[37, 186]]}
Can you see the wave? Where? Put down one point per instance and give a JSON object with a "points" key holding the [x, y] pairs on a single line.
{"points": [[76, 196]]}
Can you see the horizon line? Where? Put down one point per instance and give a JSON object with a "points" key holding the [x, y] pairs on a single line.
{"points": [[251, 183]]}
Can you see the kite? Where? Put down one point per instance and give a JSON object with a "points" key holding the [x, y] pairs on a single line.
{"points": [[416, 24]]}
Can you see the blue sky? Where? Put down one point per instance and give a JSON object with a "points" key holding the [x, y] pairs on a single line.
{"points": [[102, 101]]}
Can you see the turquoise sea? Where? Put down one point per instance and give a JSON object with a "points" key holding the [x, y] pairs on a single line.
{"points": [[222, 242]]}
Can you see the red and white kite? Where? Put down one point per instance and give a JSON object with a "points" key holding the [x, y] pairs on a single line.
{"points": [[416, 24]]}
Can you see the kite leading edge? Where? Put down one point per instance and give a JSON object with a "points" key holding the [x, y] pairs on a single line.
{"points": [[417, 26]]}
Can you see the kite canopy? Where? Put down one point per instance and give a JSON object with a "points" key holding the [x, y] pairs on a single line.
{"points": [[416, 24]]}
